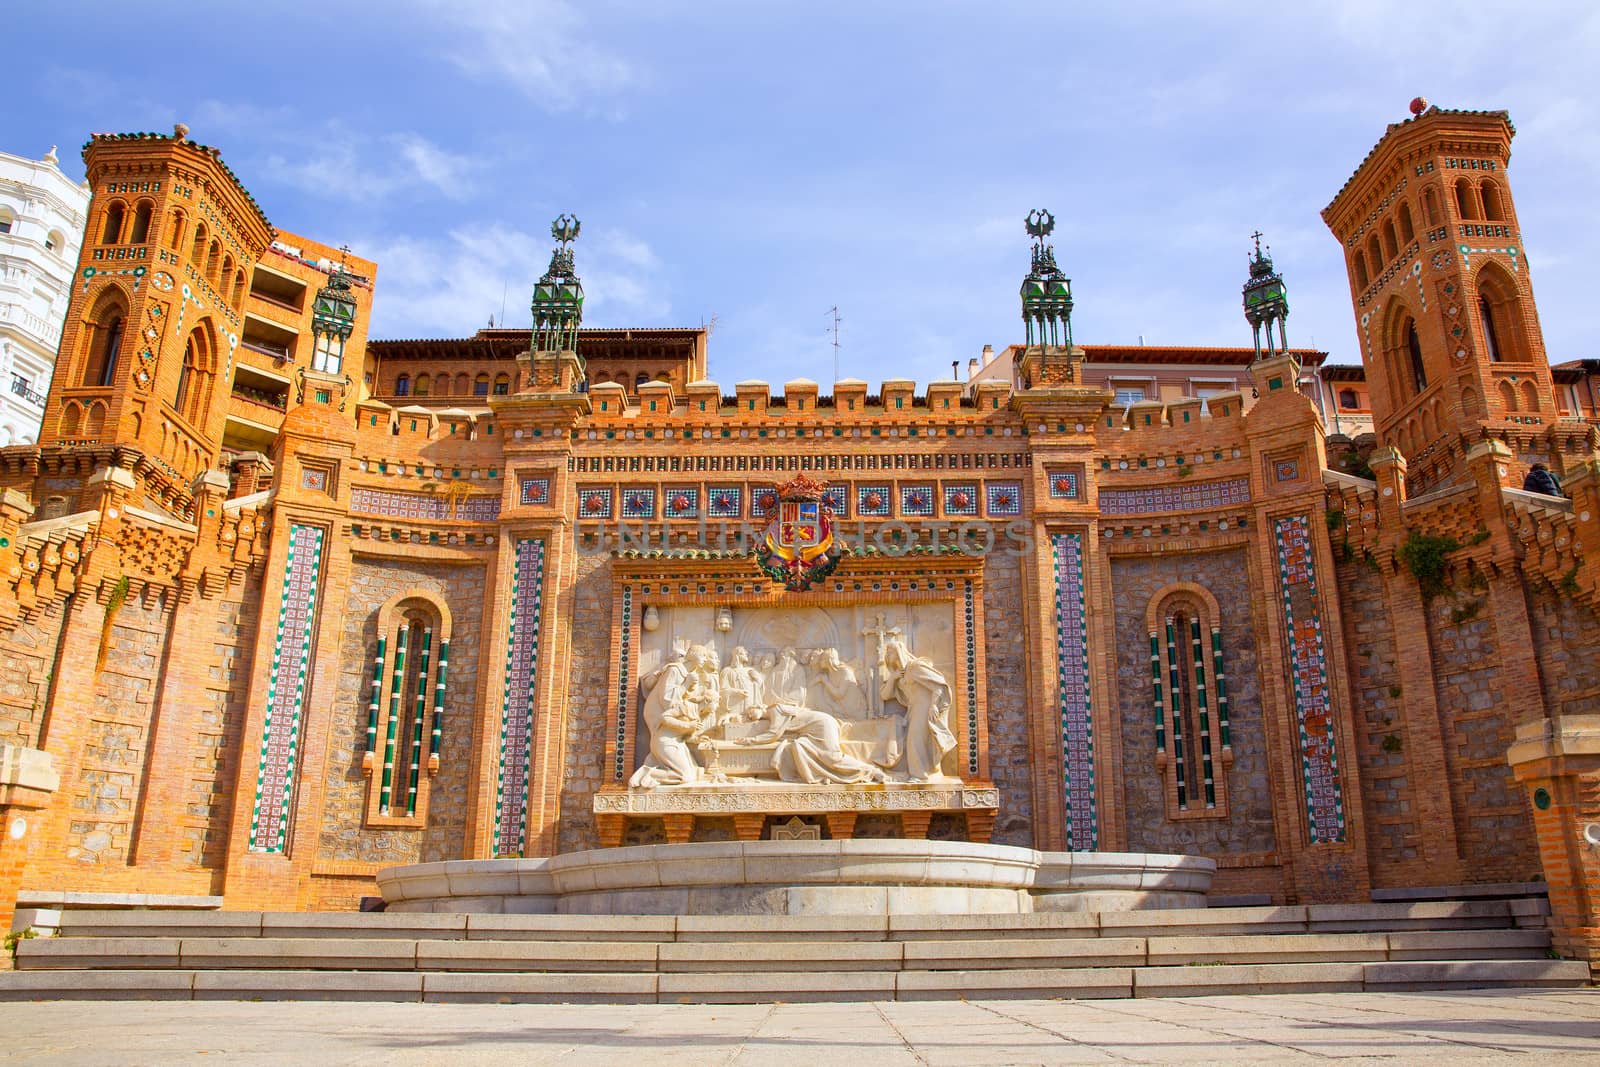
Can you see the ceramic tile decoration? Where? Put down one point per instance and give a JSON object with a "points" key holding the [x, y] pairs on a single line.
{"points": [[838, 499], [1004, 498], [724, 501], [1286, 470], [763, 498], [519, 692], [619, 769], [1319, 763], [916, 500], [873, 501], [1064, 485], [314, 479], [481, 507], [971, 676], [638, 503], [681, 501], [535, 491], [960, 500], [291, 654], [1219, 494], [594, 504], [1072, 687]]}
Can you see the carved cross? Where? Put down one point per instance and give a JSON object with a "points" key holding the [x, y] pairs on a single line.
{"points": [[879, 634]]}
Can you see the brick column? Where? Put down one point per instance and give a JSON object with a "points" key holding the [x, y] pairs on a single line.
{"points": [[27, 780], [1558, 761]]}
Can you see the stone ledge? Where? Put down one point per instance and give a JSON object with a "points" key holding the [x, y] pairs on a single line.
{"points": [[784, 799]]}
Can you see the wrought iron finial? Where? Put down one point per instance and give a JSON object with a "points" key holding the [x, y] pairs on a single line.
{"points": [[1266, 302], [565, 228], [1040, 224]]}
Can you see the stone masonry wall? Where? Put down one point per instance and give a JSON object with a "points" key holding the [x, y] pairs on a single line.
{"points": [[1494, 829], [27, 658], [104, 787], [223, 750], [1388, 785], [344, 836], [1006, 692], [590, 666], [1566, 638], [1247, 829]]}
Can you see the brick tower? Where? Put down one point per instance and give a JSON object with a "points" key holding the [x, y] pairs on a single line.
{"points": [[157, 307], [1444, 305]]}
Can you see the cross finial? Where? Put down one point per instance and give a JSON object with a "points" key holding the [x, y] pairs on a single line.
{"points": [[1257, 236], [344, 251]]}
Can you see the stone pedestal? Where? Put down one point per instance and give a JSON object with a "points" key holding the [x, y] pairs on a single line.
{"points": [[27, 781], [1558, 761]]}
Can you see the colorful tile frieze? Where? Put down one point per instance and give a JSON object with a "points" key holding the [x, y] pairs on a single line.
{"points": [[286, 690], [483, 507], [1072, 665], [516, 724], [1308, 668], [1218, 494]]}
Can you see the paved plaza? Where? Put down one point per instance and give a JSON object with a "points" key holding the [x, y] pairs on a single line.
{"points": [[1556, 1026]]}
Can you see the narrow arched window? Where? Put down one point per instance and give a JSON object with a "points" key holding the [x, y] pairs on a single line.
{"points": [[1375, 254], [1430, 206], [197, 252], [192, 399], [213, 260], [175, 229], [480, 385], [402, 385], [141, 224], [424, 386], [1391, 247], [1466, 199], [1493, 207], [1491, 335], [1419, 374], [1190, 705], [1408, 232], [1359, 260], [113, 224], [103, 342], [502, 384], [405, 717]]}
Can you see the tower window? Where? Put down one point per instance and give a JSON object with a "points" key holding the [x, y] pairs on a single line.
{"points": [[113, 226], [1419, 376], [1491, 336], [1493, 208], [1430, 206], [1362, 277], [1466, 199], [105, 339], [141, 224], [1408, 231]]}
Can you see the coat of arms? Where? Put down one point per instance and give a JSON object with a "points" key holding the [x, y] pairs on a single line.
{"points": [[798, 548]]}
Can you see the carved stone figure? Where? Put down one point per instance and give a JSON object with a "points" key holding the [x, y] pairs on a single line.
{"points": [[786, 681], [676, 716], [925, 693], [809, 748], [743, 694], [835, 688]]}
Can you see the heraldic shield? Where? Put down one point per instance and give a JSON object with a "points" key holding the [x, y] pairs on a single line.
{"points": [[798, 548]]}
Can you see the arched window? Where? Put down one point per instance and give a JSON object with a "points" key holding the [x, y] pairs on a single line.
{"points": [[226, 280], [1375, 256], [1408, 232], [1493, 207], [441, 385], [406, 708], [1466, 199], [71, 418], [463, 386], [480, 385], [1500, 316], [141, 223], [103, 340], [1347, 399], [640, 378], [213, 261], [1190, 705], [112, 231], [197, 252], [193, 397], [1359, 261], [94, 422], [502, 384], [402, 385], [1391, 247], [175, 229], [240, 287], [1419, 374], [424, 386], [1430, 206]]}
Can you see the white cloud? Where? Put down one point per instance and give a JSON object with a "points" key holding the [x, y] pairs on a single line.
{"points": [[352, 167], [452, 285], [537, 46]]}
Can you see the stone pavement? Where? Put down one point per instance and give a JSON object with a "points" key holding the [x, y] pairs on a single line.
{"points": [[1456, 1027]]}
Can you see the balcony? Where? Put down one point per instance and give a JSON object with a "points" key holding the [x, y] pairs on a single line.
{"points": [[23, 388], [262, 397]]}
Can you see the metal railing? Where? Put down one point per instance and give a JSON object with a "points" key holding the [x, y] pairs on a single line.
{"points": [[21, 387]]}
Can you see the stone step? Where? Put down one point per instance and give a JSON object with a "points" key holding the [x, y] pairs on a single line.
{"points": [[730, 988], [1190, 922]]}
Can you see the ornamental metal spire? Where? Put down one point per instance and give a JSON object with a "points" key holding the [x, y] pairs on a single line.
{"points": [[558, 296], [333, 319], [1046, 292], [1266, 301]]}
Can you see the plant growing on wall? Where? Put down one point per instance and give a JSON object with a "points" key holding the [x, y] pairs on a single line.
{"points": [[1425, 556], [114, 602]]}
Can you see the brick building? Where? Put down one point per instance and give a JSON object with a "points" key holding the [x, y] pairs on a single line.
{"points": [[283, 607]]}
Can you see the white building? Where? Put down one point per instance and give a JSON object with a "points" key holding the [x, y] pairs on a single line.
{"points": [[41, 226]]}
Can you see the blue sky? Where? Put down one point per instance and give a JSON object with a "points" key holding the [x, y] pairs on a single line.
{"points": [[761, 162]]}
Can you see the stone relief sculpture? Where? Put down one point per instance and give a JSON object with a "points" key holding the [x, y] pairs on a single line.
{"points": [[797, 715]]}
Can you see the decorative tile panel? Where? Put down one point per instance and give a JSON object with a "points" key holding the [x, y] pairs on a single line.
{"points": [[1004, 498], [838, 498], [535, 491], [521, 680], [1219, 494], [1064, 485], [638, 503], [481, 507], [724, 501], [916, 500], [682, 501], [762, 499], [594, 503], [873, 501], [972, 678], [1302, 616], [1072, 685], [286, 691], [960, 500], [1286, 470], [619, 770]]}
